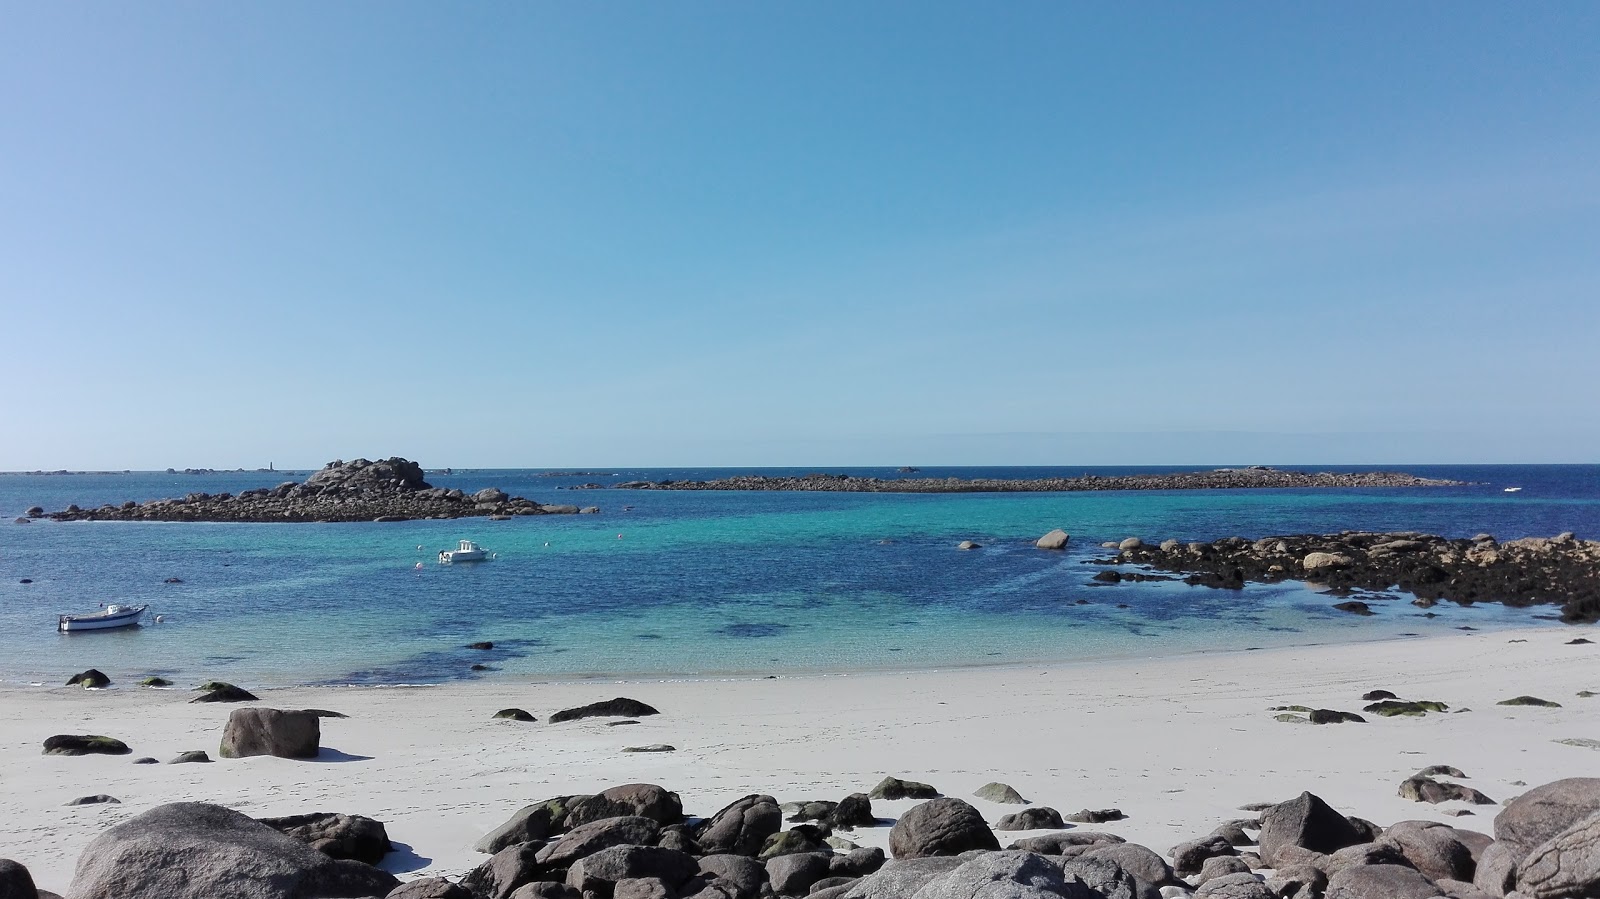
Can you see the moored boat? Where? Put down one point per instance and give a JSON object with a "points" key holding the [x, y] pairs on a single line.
{"points": [[467, 551], [109, 617]]}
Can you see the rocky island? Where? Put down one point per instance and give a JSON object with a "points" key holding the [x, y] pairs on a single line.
{"points": [[1560, 570], [360, 490], [1219, 479]]}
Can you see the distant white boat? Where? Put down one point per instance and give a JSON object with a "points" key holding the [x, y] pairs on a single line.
{"points": [[1512, 489], [466, 552], [109, 617]]}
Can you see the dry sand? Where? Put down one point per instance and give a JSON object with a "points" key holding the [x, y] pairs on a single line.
{"points": [[1177, 743]]}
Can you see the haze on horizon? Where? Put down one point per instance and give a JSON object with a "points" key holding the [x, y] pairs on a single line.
{"points": [[630, 234]]}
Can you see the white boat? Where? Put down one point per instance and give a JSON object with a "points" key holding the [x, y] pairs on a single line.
{"points": [[466, 552], [109, 617], [1512, 489]]}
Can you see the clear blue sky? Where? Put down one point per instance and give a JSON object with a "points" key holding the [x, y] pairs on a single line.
{"points": [[608, 234]]}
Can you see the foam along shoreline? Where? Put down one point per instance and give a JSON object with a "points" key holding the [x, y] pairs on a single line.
{"points": [[1176, 743], [1258, 476]]}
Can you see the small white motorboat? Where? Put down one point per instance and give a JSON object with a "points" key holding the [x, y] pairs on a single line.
{"points": [[1512, 489], [466, 552], [109, 617]]}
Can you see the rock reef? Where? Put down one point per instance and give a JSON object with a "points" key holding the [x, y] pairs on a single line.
{"points": [[1560, 570], [1220, 479], [360, 490]]}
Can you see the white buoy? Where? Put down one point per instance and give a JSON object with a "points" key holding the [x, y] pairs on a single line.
{"points": [[419, 547], [619, 536], [418, 566], [160, 618]]}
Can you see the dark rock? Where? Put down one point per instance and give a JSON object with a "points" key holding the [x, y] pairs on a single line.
{"points": [[429, 888], [1432, 848], [940, 827], [1063, 843], [510, 869], [857, 862], [1106, 879], [515, 715], [1389, 708], [1189, 857], [275, 732], [530, 823], [621, 707], [999, 792], [600, 871], [1530, 700], [587, 839], [84, 744], [146, 760], [852, 811], [1096, 816], [742, 827], [15, 881], [1544, 812], [676, 836], [642, 800], [1354, 606], [1023, 875], [1329, 716], [1243, 885], [1041, 818], [894, 788], [814, 810], [902, 878], [1305, 822], [1143, 863], [96, 799], [799, 838], [793, 874], [1362, 854], [192, 850], [481, 644], [735, 876], [1425, 789], [227, 693], [337, 836], [155, 682], [91, 678], [193, 755], [1380, 882], [1374, 695]]}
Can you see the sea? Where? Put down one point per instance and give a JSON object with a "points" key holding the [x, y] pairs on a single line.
{"points": [[708, 584]]}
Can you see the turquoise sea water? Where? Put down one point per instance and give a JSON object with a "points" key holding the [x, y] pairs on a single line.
{"points": [[702, 583]]}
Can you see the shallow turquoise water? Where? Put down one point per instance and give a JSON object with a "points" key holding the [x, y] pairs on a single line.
{"points": [[699, 583]]}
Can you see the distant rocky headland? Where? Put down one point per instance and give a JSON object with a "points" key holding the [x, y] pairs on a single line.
{"points": [[1219, 479], [1561, 570], [360, 490]]}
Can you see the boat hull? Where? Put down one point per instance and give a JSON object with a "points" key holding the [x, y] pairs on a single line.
{"points": [[75, 623]]}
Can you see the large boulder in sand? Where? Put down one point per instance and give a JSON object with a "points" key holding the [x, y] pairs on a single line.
{"points": [[940, 827], [621, 707], [336, 836], [1308, 823], [276, 732], [1432, 848], [637, 800], [587, 839], [194, 850], [740, 828]]}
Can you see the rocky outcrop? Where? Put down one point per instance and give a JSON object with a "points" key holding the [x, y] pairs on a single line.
{"points": [[258, 731], [742, 827], [192, 850], [629, 800], [621, 707], [1220, 479], [337, 836], [387, 490], [1561, 570]]}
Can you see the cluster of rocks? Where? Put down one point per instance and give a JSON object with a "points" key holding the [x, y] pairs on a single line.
{"points": [[360, 490], [1561, 570], [1220, 479], [635, 842]]}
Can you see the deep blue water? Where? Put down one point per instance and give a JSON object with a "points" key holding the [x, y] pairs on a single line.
{"points": [[703, 583]]}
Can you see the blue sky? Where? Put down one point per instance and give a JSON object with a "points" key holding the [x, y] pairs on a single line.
{"points": [[547, 234]]}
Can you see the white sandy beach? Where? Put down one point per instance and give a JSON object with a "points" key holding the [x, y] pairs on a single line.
{"points": [[1177, 743]]}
